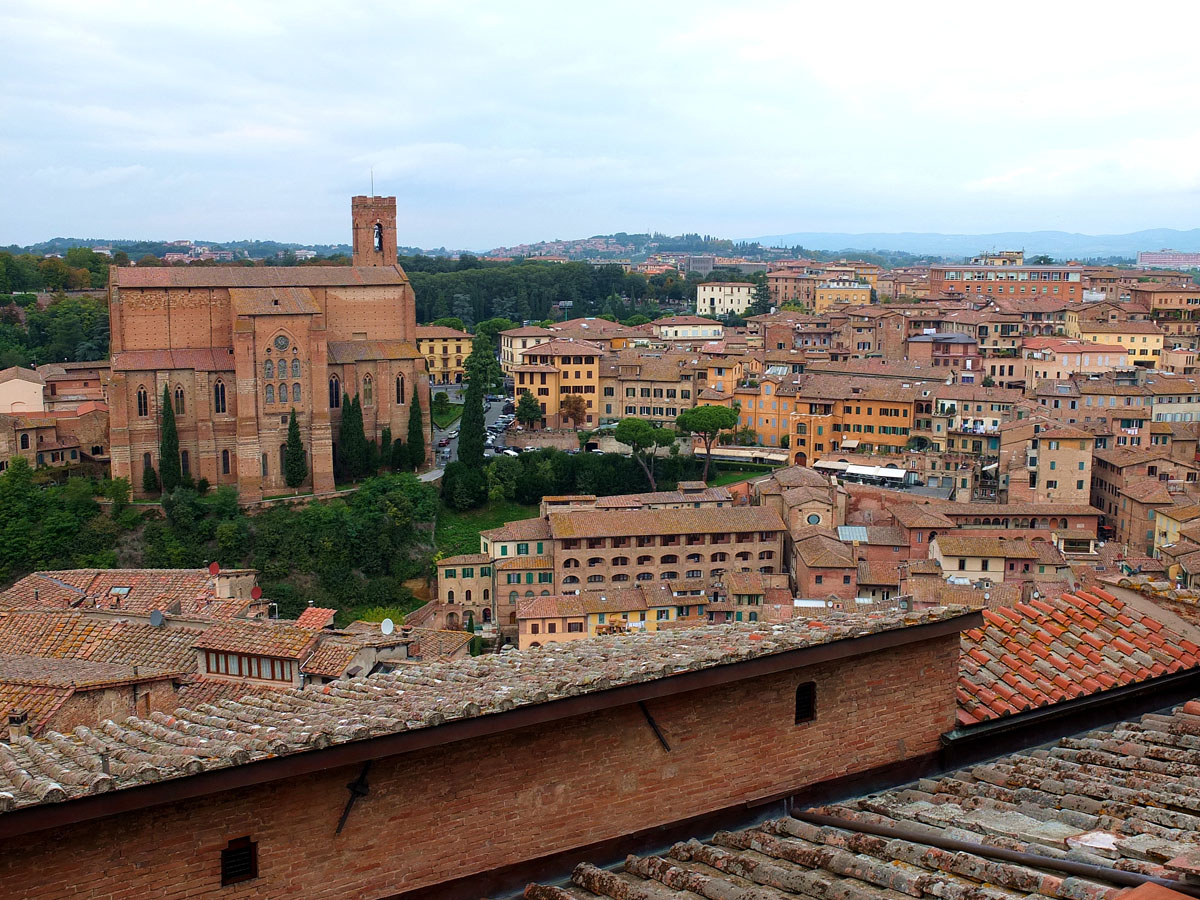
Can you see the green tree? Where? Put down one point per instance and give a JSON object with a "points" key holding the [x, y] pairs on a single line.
{"points": [[492, 328], [643, 441], [416, 433], [295, 464], [352, 441], [441, 403], [708, 422], [450, 322], [529, 411], [168, 446], [761, 304], [472, 427], [399, 456], [385, 446], [149, 480]]}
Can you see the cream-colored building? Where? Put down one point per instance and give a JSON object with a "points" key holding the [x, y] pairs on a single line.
{"points": [[833, 294], [20, 391], [688, 328], [1142, 340], [722, 298], [517, 340], [445, 351]]}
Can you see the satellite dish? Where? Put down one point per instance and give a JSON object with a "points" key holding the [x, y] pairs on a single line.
{"points": [[214, 568], [157, 618], [387, 626], [256, 592]]}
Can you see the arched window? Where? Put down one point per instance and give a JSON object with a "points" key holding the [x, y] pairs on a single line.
{"points": [[620, 560], [620, 576], [295, 368], [595, 561], [512, 596], [767, 554], [468, 598], [670, 559], [668, 576], [268, 369], [570, 563], [335, 392], [224, 462], [378, 238], [719, 557], [529, 593], [806, 702], [219, 397], [283, 457], [450, 596], [270, 393], [487, 614], [399, 388], [147, 463], [743, 555], [143, 402], [693, 557], [645, 576], [571, 579], [185, 463], [296, 392], [283, 393], [368, 391], [264, 465], [24, 441], [179, 404], [486, 595], [644, 560], [595, 579]]}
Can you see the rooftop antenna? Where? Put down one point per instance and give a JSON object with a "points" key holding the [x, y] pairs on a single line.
{"points": [[372, 181]]}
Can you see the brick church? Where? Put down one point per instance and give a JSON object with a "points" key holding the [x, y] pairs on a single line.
{"points": [[237, 348]]}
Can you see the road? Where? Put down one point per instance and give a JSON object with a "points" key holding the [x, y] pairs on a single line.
{"points": [[455, 393]]}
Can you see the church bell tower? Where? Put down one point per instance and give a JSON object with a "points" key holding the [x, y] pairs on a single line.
{"points": [[374, 230]]}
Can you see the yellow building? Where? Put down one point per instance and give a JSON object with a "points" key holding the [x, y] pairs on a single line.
{"points": [[445, 351], [1168, 520], [516, 341], [1143, 340], [556, 369], [833, 294], [570, 617], [653, 386]]}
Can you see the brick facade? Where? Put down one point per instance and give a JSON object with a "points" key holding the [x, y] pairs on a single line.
{"points": [[475, 805]]}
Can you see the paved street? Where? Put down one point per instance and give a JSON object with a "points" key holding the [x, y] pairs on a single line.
{"points": [[455, 393]]}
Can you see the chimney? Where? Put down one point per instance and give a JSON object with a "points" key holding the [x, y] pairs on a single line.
{"points": [[18, 725]]}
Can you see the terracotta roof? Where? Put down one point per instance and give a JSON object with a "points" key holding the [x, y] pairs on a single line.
{"points": [[586, 523], [256, 276], [63, 635], [137, 591], [465, 559], [1148, 490], [203, 360], [552, 607], [878, 572], [38, 702], [520, 530], [524, 562], [430, 332], [824, 551], [64, 767], [432, 645], [1054, 649], [20, 373], [341, 352], [316, 617], [1109, 797], [198, 690], [332, 658], [938, 592], [916, 515], [658, 497], [745, 583], [261, 639], [962, 545], [528, 331], [954, 509]]}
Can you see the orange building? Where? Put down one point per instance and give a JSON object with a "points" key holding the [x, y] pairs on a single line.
{"points": [[954, 282], [559, 367]]}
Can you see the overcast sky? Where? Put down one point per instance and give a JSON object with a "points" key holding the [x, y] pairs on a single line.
{"points": [[500, 123]]}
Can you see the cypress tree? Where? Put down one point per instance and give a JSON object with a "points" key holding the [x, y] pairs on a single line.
{"points": [[399, 456], [362, 454], [149, 480], [295, 466], [343, 463], [385, 446], [416, 433], [170, 473], [471, 427]]}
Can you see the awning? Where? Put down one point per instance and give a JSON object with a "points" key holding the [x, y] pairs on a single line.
{"points": [[850, 444]]}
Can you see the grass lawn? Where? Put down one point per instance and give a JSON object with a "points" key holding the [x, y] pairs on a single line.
{"points": [[458, 532], [723, 478], [448, 418]]}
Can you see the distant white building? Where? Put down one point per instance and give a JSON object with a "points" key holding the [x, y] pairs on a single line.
{"points": [[720, 298]]}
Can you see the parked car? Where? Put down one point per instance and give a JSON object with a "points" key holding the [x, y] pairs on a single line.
{"points": [[444, 442], [453, 435], [510, 452]]}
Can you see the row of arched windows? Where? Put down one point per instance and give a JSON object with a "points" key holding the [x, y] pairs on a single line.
{"points": [[667, 559], [367, 394], [143, 399], [269, 393], [269, 369]]}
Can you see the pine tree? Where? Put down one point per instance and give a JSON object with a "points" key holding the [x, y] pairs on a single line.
{"points": [[472, 426], [295, 465], [170, 473], [416, 433]]}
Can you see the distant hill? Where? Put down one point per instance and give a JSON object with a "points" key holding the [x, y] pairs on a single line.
{"points": [[1059, 244]]}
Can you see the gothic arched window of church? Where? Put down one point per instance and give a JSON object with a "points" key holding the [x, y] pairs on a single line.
{"points": [[270, 393], [268, 369], [378, 237], [219, 397], [296, 392], [295, 368], [25, 442], [224, 462], [143, 402], [335, 393], [399, 388], [368, 392], [179, 404], [282, 393]]}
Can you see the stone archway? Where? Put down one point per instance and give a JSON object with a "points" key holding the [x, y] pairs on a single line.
{"points": [[452, 621], [801, 458]]}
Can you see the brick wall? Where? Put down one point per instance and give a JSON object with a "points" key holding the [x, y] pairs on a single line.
{"points": [[470, 807]]}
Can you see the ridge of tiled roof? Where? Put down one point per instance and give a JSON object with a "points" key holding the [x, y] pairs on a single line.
{"points": [[284, 641], [1118, 783], [229, 733], [1054, 649]]}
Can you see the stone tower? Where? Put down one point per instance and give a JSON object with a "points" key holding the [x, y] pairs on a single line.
{"points": [[374, 230]]}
